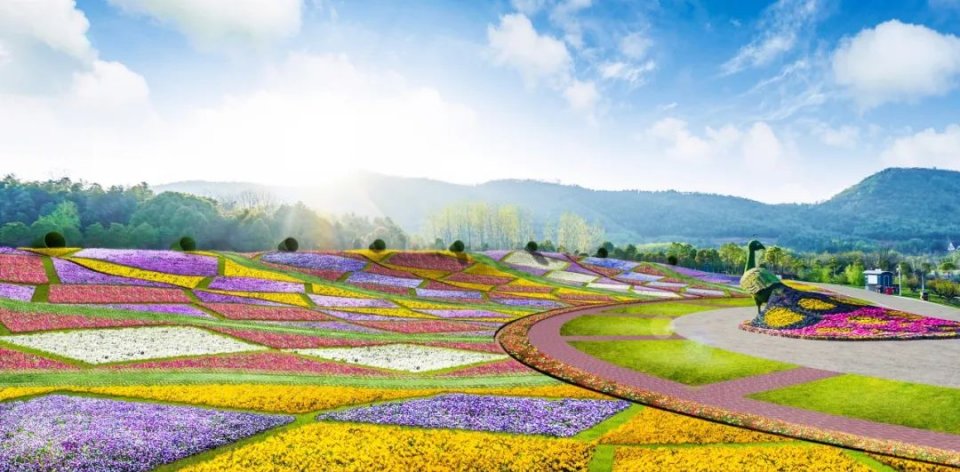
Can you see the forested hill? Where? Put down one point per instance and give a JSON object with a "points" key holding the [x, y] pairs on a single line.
{"points": [[913, 210]]}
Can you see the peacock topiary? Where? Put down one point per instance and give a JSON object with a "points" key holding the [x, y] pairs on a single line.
{"points": [[756, 280]]}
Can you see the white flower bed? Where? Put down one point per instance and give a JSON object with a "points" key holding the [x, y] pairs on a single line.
{"points": [[523, 258], [655, 293], [407, 357], [704, 292], [574, 277], [667, 285], [101, 346], [604, 286]]}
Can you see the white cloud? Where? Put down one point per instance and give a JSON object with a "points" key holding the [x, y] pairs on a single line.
{"points": [[781, 25], [756, 146], [846, 136], [213, 24], [926, 148], [760, 146], [634, 74], [564, 15], [581, 96], [529, 7], [515, 43], [57, 24], [897, 62], [635, 45], [109, 85]]}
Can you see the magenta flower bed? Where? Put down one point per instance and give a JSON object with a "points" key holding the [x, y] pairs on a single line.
{"points": [[23, 293], [170, 262], [426, 326], [16, 360], [72, 273], [257, 361], [346, 302], [869, 323], [19, 321], [250, 284], [427, 260], [280, 313], [22, 269], [479, 279], [210, 297], [466, 313], [506, 367], [115, 294]]}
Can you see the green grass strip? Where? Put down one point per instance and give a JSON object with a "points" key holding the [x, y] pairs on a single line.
{"points": [[602, 460], [915, 405], [868, 461], [609, 424], [48, 267], [683, 361], [590, 325]]}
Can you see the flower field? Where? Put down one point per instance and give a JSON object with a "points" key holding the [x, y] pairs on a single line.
{"points": [[130, 360]]}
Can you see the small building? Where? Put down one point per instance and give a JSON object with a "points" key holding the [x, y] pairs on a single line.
{"points": [[880, 281]]}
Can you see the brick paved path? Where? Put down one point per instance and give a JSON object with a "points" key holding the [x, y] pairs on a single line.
{"points": [[730, 395]]}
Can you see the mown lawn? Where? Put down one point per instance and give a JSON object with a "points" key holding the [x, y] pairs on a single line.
{"points": [[682, 361], [885, 401], [674, 309], [592, 325]]}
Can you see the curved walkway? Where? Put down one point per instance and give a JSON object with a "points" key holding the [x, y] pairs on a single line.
{"points": [[546, 350]]}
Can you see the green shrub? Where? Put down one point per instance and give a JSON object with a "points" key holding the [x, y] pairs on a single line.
{"points": [[672, 260], [532, 246], [54, 239], [603, 253], [378, 245], [186, 243], [288, 245], [457, 246]]}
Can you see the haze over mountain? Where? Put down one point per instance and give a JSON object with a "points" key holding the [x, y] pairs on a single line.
{"points": [[910, 209]]}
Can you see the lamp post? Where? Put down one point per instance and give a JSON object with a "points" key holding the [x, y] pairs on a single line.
{"points": [[899, 281]]}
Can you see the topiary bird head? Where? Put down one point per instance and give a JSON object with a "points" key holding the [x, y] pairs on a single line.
{"points": [[755, 245]]}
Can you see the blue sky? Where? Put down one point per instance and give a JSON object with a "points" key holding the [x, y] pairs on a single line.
{"points": [[781, 101]]}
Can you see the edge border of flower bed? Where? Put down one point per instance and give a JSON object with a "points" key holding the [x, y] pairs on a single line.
{"points": [[746, 326], [513, 337]]}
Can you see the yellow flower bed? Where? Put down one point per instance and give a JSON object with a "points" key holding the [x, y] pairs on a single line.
{"points": [[904, 465], [52, 251], [801, 286], [484, 269], [653, 426], [232, 269], [373, 255], [307, 398], [422, 273], [472, 286], [332, 291], [187, 281], [337, 446], [817, 305], [527, 283], [295, 299], [779, 317], [757, 458], [7, 393], [542, 296]]}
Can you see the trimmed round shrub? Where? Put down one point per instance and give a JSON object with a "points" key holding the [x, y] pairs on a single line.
{"points": [[54, 239], [603, 253], [288, 245], [187, 243], [378, 245], [672, 260], [532, 246], [457, 246]]}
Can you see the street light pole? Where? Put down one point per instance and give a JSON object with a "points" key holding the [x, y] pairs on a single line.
{"points": [[899, 281]]}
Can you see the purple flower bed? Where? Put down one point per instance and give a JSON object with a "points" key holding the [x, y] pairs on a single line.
{"points": [[325, 300], [638, 277], [466, 314], [170, 262], [518, 415], [667, 285], [250, 284], [14, 251], [210, 297], [465, 294], [368, 278], [710, 277], [163, 308], [59, 432], [529, 270], [612, 263], [314, 261], [529, 302], [71, 273], [704, 292], [22, 293], [497, 254]]}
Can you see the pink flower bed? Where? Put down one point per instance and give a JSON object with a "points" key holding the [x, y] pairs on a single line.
{"points": [[430, 326], [22, 269], [256, 361], [585, 297], [19, 322], [506, 367], [234, 311], [869, 323], [428, 260], [16, 360], [115, 294], [491, 347], [290, 340], [479, 279], [381, 270], [605, 271]]}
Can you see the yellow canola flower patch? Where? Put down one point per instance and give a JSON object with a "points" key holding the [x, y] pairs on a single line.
{"points": [[17, 392], [52, 251], [295, 299], [187, 281], [779, 317], [817, 305], [427, 305], [372, 255], [573, 291], [543, 296], [756, 458], [422, 273], [232, 269], [527, 283], [653, 426], [906, 465], [471, 286], [337, 446], [307, 398], [332, 291], [484, 269]]}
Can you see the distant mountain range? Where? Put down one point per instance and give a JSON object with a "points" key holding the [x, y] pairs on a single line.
{"points": [[913, 210]]}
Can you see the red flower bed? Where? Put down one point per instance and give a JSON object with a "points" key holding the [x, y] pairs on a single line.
{"points": [[115, 294], [505, 367], [392, 289], [585, 297], [523, 289], [434, 285], [236, 311], [257, 361], [290, 340], [381, 270], [429, 260], [645, 269], [19, 322], [323, 274], [16, 360], [479, 279], [22, 269], [491, 347], [431, 326], [605, 271]]}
